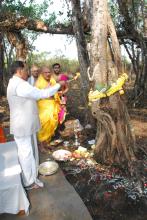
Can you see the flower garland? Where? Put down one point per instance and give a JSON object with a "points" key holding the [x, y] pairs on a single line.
{"points": [[106, 92]]}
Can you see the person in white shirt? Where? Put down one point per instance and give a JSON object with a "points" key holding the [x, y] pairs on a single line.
{"points": [[24, 119], [34, 75]]}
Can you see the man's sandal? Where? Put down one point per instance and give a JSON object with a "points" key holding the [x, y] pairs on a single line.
{"points": [[32, 186]]}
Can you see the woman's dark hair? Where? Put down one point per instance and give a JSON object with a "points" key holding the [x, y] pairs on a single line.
{"points": [[56, 64], [17, 65]]}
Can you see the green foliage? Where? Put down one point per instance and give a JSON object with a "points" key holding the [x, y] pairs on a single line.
{"points": [[35, 10], [28, 8], [51, 20], [31, 10], [66, 64], [114, 10], [38, 58], [136, 11], [42, 59]]}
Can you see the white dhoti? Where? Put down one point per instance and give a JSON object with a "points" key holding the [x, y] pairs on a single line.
{"points": [[27, 160], [35, 151]]}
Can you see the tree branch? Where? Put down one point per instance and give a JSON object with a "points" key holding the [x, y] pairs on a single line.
{"points": [[34, 25]]}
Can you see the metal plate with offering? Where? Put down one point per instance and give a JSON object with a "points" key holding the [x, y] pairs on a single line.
{"points": [[62, 155], [48, 168]]}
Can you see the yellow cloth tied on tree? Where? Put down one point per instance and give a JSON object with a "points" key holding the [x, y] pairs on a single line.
{"points": [[95, 95], [115, 87], [48, 110]]}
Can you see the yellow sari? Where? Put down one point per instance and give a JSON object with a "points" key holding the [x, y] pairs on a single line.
{"points": [[48, 110]]}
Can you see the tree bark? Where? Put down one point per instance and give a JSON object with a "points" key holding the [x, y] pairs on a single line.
{"points": [[83, 57], [138, 37], [98, 51], [17, 40], [14, 24], [114, 140], [81, 42], [2, 90]]}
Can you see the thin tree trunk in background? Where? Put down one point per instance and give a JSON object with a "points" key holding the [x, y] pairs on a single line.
{"points": [[140, 87], [81, 43], [145, 51], [130, 25], [83, 57], [115, 44], [2, 90]]}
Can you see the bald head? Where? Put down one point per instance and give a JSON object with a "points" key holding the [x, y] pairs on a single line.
{"points": [[46, 72]]}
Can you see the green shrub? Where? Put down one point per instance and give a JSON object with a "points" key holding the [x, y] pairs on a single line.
{"points": [[41, 59]]}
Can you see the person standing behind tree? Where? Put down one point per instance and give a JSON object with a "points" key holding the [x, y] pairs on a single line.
{"points": [[34, 75], [56, 71], [34, 72], [59, 76]]}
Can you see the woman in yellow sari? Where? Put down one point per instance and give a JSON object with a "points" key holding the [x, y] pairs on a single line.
{"points": [[48, 108]]}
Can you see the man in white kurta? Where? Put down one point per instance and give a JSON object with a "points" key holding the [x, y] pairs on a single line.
{"points": [[24, 119]]}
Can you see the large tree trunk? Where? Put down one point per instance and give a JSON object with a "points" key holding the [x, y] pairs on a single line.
{"points": [[114, 141], [145, 51], [2, 90]]}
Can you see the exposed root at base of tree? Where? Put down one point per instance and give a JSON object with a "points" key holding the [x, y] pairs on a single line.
{"points": [[113, 139]]}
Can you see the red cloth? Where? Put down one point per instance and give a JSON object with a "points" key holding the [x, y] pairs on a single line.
{"points": [[63, 77], [61, 115], [2, 136]]}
